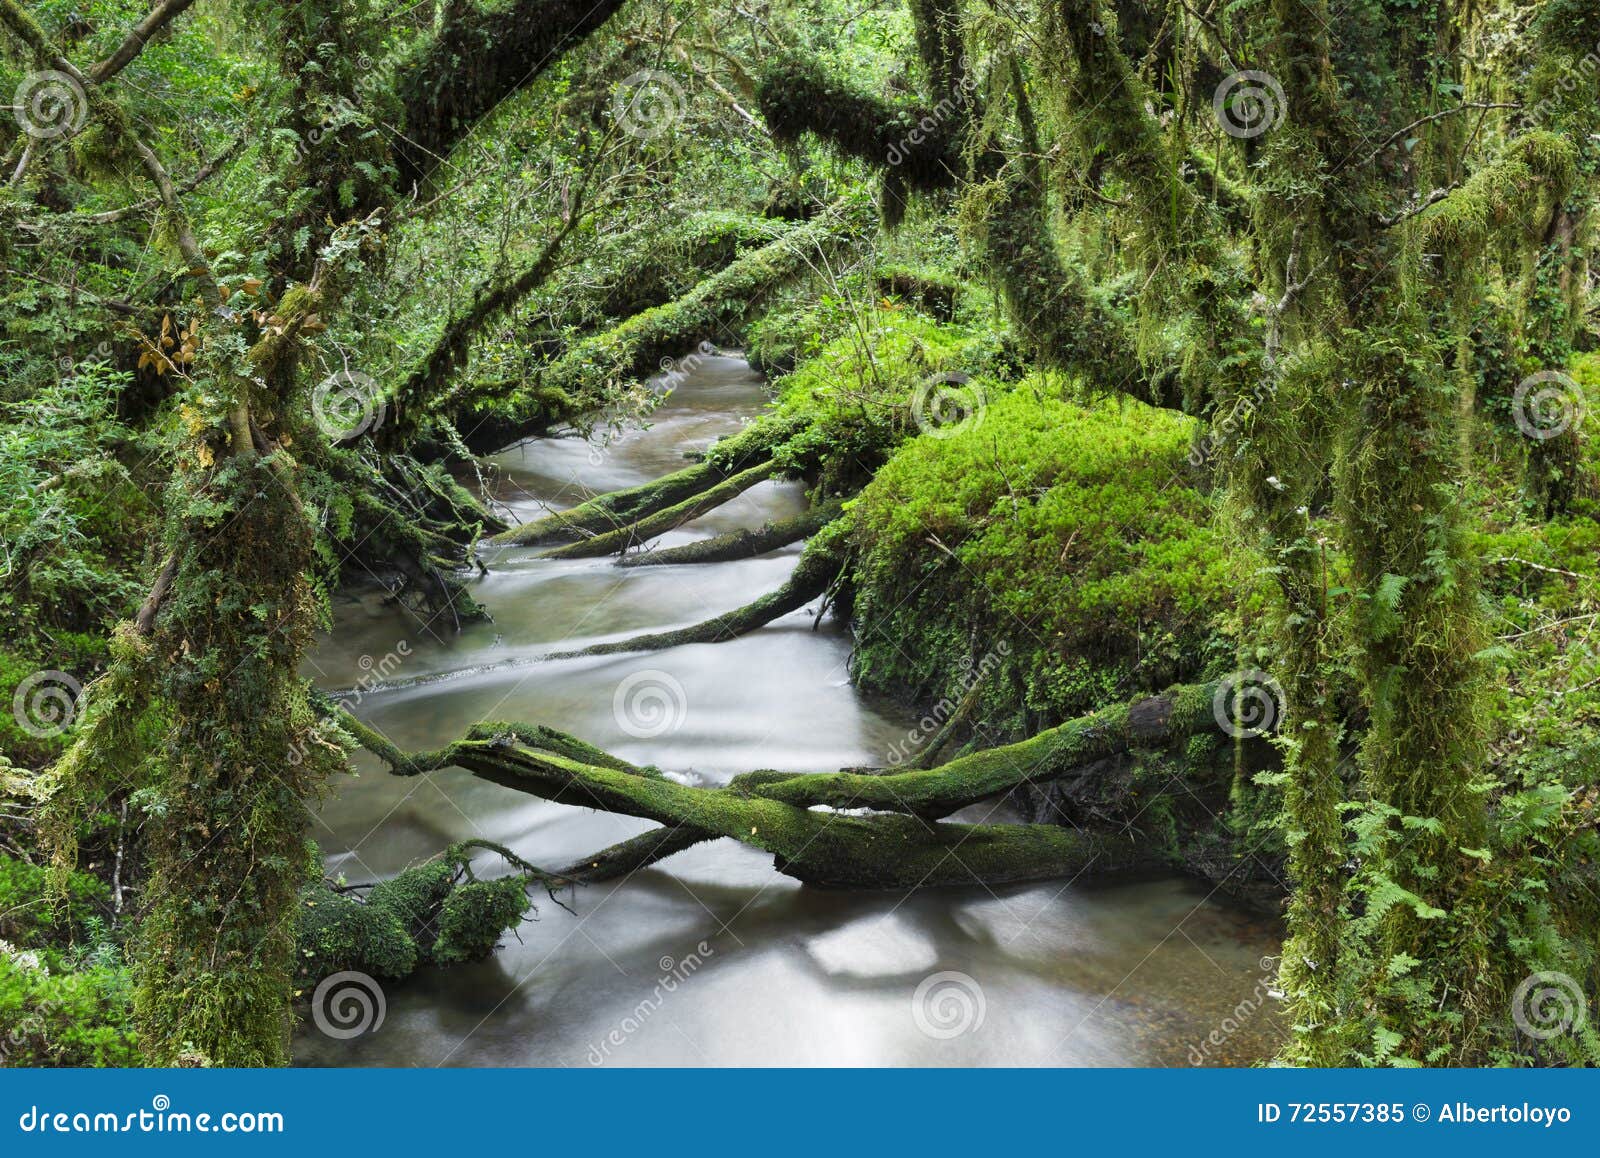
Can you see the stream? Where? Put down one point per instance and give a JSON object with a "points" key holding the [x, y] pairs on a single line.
{"points": [[711, 957]]}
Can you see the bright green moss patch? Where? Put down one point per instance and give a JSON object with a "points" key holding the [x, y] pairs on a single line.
{"points": [[64, 1018], [1064, 542]]}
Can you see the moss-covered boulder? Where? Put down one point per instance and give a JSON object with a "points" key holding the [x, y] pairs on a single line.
{"points": [[1060, 548]]}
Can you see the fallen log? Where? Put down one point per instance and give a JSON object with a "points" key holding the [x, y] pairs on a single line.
{"points": [[830, 849], [614, 509], [640, 530], [819, 566], [896, 839], [744, 544]]}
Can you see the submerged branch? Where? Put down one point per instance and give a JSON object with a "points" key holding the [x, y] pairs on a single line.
{"points": [[742, 544], [640, 530], [819, 566], [899, 841]]}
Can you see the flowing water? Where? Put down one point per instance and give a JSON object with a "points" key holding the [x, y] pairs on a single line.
{"points": [[711, 957]]}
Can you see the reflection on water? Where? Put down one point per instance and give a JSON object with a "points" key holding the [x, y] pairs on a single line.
{"points": [[711, 957]]}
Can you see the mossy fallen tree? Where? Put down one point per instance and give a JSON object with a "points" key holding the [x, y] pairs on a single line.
{"points": [[742, 544], [819, 568], [597, 366], [634, 533], [902, 842], [616, 509]]}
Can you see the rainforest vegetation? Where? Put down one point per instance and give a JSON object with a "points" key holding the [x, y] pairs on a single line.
{"points": [[1195, 406]]}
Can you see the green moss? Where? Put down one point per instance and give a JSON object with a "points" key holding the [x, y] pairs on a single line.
{"points": [[28, 914], [337, 933], [475, 915], [65, 1018], [1059, 539]]}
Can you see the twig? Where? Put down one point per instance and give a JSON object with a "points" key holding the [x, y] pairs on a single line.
{"points": [[1420, 121]]}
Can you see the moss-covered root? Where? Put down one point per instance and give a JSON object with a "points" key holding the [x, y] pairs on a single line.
{"points": [[857, 852], [819, 566], [594, 367], [639, 531], [741, 544]]}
